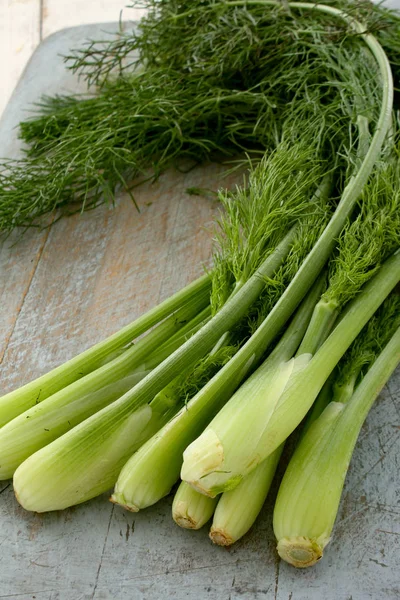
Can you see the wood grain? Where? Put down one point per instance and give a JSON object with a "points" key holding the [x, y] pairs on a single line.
{"points": [[18, 263], [101, 270]]}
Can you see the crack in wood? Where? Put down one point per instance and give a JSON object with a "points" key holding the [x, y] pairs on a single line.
{"points": [[103, 552], [184, 570], [277, 568], [388, 448], [378, 563], [26, 291]]}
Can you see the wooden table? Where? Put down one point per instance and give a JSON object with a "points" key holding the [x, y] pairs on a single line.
{"points": [[63, 289]]}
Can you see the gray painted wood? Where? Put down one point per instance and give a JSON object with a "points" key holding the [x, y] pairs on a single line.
{"points": [[64, 289]]}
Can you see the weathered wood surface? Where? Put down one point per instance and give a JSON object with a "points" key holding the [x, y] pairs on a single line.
{"points": [[68, 287]]}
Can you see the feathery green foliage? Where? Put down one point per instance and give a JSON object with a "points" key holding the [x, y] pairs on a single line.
{"points": [[237, 78], [370, 238], [305, 90], [254, 217], [308, 230]]}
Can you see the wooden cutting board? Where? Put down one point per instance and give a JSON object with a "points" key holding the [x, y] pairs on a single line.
{"points": [[64, 288]]}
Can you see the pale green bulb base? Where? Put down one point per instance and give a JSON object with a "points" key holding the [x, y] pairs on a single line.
{"points": [[300, 552], [220, 538]]}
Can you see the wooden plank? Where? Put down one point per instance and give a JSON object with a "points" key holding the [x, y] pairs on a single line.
{"points": [[18, 264], [19, 36], [101, 270], [18, 261], [67, 13]]}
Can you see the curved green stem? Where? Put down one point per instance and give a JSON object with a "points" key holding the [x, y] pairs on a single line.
{"points": [[384, 121]]}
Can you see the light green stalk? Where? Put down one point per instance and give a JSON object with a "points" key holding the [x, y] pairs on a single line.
{"points": [[17, 401], [309, 495], [362, 353], [238, 509], [240, 436], [86, 461], [366, 348], [190, 509], [322, 321], [322, 401], [75, 467], [150, 474], [228, 446], [179, 338], [363, 245], [49, 419]]}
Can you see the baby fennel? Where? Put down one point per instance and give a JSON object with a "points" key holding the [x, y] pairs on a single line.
{"points": [[309, 495], [54, 416], [238, 509], [190, 509]]}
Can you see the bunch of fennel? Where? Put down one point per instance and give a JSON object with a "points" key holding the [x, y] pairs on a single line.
{"points": [[253, 342], [167, 366]]}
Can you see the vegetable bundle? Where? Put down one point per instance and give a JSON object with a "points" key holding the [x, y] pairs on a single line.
{"points": [[299, 316]]}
